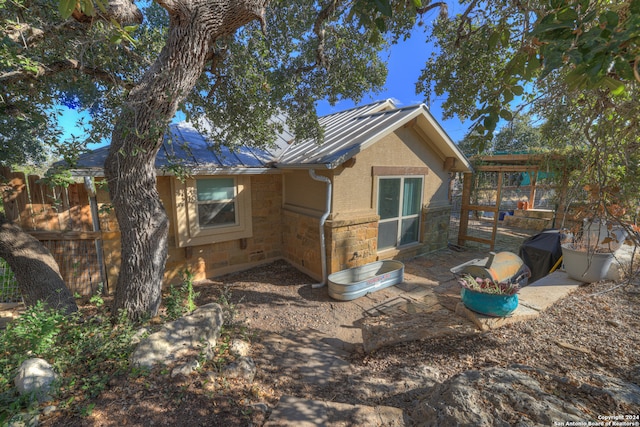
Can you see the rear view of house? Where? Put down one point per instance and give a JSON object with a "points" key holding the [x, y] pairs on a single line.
{"points": [[376, 188]]}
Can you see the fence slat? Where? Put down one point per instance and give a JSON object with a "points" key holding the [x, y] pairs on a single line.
{"points": [[61, 219], [23, 202], [10, 195]]}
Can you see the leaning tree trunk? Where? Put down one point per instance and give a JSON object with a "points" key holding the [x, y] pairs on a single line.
{"points": [[137, 137], [34, 268]]}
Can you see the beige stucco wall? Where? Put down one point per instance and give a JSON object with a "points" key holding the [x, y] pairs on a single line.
{"points": [[355, 188], [303, 192]]}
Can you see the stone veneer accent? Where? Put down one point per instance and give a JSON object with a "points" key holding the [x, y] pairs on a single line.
{"points": [[352, 242], [435, 228]]}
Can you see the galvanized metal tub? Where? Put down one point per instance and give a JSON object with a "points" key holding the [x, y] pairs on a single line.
{"points": [[355, 282]]}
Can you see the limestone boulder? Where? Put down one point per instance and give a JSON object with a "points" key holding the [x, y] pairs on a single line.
{"points": [[35, 376], [196, 333]]}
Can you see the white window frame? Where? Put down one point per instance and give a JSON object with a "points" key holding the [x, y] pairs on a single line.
{"points": [[188, 229], [400, 218]]}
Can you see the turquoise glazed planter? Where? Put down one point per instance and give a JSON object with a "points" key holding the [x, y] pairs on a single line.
{"points": [[489, 304]]}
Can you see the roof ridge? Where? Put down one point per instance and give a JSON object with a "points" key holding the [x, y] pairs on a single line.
{"points": [[362, 107]]}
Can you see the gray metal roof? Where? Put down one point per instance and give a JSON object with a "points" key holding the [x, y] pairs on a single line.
{"points": [[345, 134]]}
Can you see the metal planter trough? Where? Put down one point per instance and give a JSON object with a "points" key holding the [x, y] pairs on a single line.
{"points": [[347, 285]]}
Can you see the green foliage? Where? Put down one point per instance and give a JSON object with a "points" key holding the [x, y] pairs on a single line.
{"points": [[86, 352], [517, 47], [181, 301], [519, 135], [96, 299]]}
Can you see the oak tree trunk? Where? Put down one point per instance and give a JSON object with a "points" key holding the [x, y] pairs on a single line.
{"points": [[34, 268], [137, 137]]}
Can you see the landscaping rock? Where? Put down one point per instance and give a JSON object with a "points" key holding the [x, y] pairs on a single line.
{"points": [[192, 334], [185, 369], [35, 376], [244, 368], [239, 347], [504, 397]]}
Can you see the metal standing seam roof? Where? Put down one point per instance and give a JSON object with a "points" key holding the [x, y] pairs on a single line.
{"points": [[345, 134], [352, 131]]}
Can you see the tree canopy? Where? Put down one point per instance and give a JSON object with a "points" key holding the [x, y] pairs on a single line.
{"points": [[572, 65]]}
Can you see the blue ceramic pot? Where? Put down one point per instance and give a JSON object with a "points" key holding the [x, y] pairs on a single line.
{"points": [[489, 304]]}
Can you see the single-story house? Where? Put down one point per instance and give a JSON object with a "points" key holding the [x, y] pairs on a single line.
{"points": [[376, 188]]}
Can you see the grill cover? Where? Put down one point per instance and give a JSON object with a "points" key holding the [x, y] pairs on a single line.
{"points": [[541, 252]]}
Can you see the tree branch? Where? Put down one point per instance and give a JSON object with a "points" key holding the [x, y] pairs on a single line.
{"points": [[324, 15], [463, 19], [64, 65], [444, 9], [122, 11]]}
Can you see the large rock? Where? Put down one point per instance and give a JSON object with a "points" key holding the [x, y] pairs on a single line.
{"points": [[35, 376], [192, 334], [494, 397], [505, 397]]}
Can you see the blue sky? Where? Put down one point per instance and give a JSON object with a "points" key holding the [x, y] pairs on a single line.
{"points": [[405, 61]]}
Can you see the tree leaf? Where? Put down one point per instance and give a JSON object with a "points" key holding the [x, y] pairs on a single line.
{"points": [[384, 7], [493, 40], [87, 7], [616, 87], [505, 37], [102, 5], [506, 114], [610, 17], [567, 15], [490, 121], [66, 7]]}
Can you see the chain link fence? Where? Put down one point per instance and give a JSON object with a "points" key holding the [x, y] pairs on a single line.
{"points": [[9, 290]]}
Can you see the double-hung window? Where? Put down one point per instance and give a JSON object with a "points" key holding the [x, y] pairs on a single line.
{"points": [[399, 208], [216, 201], [211, 209]]}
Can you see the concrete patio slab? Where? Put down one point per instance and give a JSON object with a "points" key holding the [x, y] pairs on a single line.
{"points": [[544, 292]]}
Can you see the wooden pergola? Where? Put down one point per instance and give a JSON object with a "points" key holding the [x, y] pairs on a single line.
{"points": [[527, 163]]}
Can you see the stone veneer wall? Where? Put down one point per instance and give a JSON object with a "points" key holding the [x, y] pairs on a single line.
{"points": [[349, 243], [435, 228], [301, 242], [352, 242]]}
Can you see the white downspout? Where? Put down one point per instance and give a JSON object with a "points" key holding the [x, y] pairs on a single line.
{"points": [[323, 219]]}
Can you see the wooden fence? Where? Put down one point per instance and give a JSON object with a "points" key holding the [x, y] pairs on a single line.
{"points": [[63, 219]]}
